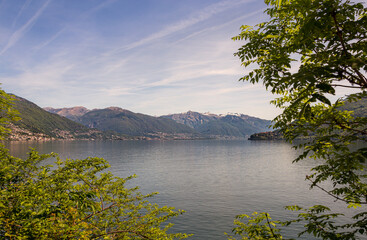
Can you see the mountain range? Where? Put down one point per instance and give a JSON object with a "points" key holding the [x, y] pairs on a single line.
{"points": [[117, 123], [191, 124], [231, 124]]}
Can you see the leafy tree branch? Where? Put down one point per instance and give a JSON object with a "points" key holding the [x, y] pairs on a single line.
{"points": [[327, 40]]}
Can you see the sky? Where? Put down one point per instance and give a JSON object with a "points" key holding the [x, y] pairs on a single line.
{"points": [[154, 57]]}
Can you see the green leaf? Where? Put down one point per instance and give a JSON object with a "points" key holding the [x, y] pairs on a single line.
{"points": [[326, 88], [322, 98]]}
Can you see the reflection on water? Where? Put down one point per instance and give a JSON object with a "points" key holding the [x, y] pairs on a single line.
{"points": [[213, 181]]}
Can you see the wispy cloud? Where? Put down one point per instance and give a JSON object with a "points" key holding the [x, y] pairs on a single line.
{"points": [[202, 31], [187, 74], [117, 91], [98, 7], [69, 26], [48, 76], [200, 16], [48, 41], [219, 91], [25, 5], [186, 64], [26, 27]]}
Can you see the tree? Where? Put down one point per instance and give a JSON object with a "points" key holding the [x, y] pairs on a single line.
{"points": [[76, 199], [306, 53], [7, 113]]}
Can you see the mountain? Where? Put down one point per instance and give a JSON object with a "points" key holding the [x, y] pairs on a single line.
{"points": [[127, 122], [72, 113], [38, 124], [191, 119], [233, 125]]}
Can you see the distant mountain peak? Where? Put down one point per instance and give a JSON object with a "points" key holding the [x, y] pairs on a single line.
{"points": [[76, 111], [210, 114], [72, 113], [232, 114], [189, 112], [117, 109]]}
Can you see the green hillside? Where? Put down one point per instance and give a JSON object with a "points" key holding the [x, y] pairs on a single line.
{"points": [[38, 120], [35, 120]]}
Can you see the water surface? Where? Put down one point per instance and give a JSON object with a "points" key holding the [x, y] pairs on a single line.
{"points": [[212, 180]]}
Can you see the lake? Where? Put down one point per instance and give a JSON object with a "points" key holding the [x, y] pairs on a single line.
{"points": [[212, 180]]}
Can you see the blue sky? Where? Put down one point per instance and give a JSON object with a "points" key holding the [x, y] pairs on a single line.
{"points": [[149, 56]]}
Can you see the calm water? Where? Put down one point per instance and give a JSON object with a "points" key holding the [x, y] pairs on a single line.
{"points": [[213, 181]]}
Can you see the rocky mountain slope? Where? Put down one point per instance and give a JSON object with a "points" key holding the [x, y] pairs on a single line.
{"points": [[235, 125], [73, 113]]}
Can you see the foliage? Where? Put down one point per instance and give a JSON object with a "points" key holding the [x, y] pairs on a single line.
{"points": [[359, 108], [77, 199], [7, 113], [306, 53], [320, 223], [259, 226]]}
